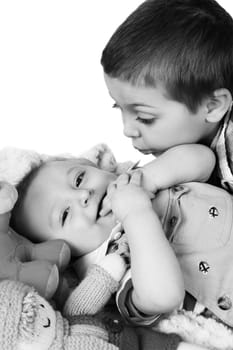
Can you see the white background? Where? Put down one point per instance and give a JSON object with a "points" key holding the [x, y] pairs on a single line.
{"points": [[52, 93]]}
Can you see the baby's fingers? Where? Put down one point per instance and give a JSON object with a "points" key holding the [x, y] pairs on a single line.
{"points": [[106, 205]]}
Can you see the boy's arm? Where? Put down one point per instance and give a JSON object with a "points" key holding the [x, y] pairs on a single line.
{"points": [[156, 275], [179, 164]]}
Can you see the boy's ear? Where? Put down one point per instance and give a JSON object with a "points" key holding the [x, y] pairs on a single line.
{"points": [[217, 105]]}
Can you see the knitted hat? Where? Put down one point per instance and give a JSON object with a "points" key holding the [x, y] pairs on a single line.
{"points": [[12, 304]]}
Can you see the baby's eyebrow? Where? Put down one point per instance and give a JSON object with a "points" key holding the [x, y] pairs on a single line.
{"points": [[71, 170]]}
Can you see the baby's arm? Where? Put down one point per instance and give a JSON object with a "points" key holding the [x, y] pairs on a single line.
{"points": [[156, 275], [96, 288], [179, 164]]}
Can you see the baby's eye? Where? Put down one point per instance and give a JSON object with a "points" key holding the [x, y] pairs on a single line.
{"points": [[64, 216], [79, 179], [146, 121]]}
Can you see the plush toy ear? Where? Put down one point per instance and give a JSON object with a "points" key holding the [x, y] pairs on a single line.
{"points": [[15, 163], [8, 197]]}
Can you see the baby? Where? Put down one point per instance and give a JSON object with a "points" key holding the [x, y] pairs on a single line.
{"points": [[176, 239]]}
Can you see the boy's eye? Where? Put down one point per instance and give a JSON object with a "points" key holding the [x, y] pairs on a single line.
{"points": [[79, 179], [146, 121], [64, 216]]}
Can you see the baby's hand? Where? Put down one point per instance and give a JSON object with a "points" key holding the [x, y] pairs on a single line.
{"points": [[115, 265], [126, 195]]}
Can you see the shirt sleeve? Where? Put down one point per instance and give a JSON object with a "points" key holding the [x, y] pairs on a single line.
{"points": [[127, 308]]}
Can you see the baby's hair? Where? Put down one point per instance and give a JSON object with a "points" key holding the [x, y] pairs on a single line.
{"points": [[185, 45]]}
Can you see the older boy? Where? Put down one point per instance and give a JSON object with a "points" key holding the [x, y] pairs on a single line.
{"points": [[169, 68]]}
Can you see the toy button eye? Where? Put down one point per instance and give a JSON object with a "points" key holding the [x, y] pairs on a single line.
{"points": [[42, 305]]}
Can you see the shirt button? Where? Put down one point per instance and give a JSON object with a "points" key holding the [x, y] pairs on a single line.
{"points": [[173, 221], [115, 326], [213, 212], [224, 303], [113, 247], [117, 235]]}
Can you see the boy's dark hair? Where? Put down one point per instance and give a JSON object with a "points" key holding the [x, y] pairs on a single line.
{"points": [[187, 45]]}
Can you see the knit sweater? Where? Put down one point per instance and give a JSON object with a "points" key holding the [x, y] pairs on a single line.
{"points": [[88, 327]]}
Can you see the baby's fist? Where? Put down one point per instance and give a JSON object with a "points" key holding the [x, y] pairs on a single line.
{"points": [[115, 265]]}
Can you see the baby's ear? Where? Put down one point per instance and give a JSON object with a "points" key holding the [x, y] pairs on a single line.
{"points": [[102, 156]]}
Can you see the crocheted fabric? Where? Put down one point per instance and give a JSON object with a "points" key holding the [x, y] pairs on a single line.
{"points": [[11, 306]]}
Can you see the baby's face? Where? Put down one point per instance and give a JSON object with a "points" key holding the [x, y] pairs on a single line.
{"points": [[155, 122], [64, 201]]}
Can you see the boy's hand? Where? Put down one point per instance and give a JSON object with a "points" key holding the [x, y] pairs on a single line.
{"points": [[126, 196]]}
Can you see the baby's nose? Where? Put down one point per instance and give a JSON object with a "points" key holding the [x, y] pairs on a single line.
{"points": [[84, 196]]}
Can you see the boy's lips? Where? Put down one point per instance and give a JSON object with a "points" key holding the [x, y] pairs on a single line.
{"points": [[144, 151], [149, 151]]}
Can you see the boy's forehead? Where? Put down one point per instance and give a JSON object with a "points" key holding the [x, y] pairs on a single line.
{"points": [[128, 92]]}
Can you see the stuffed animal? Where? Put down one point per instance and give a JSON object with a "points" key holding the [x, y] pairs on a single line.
{"points": [[35, 264], [28, 321]]}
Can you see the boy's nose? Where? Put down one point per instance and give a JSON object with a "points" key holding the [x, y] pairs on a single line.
{"points": [[130, 130], [84, 196]]}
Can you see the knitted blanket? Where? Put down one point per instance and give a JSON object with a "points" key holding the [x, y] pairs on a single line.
{"points": [[16, 163]]}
